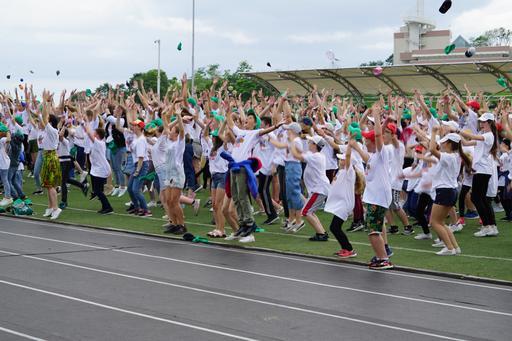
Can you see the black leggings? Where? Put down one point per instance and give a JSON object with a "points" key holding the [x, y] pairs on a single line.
{"points": [[97, 187], [65, 167], [282, 190], [505, 202], [480, 199], [462, 200], [264, 182], [423, 206], [337, 231]]}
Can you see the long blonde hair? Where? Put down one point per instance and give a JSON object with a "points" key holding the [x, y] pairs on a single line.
{"points": [[360, 184]]}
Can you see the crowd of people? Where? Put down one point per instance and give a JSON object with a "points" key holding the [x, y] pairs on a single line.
{"points": [[412, 161]]}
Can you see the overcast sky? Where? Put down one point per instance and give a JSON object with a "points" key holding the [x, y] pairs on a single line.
{"points": [[96, 41]]}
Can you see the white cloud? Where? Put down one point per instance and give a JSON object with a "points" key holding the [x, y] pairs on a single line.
{"points": [[314, 38], [496, 13]]}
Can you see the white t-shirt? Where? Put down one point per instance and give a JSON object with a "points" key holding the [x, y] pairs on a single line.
{"points": [[378, 186], [4, 157], [93, 125], [483, 162], [297, 142], [314, 175], [244, 143], [140, 149], [280, 154], [217, 163], [50, 138], [99, 164], [264, 150], [158, 151], [330, 159], [341, 198], [174, 154], [63, 148], [445, 173], [396, 160]]}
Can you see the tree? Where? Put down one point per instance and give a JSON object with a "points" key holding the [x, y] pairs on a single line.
{"points": [[495, 37], [150, 79]]}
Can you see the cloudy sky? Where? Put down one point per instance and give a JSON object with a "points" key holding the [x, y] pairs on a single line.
{"points": [[96, 41]]}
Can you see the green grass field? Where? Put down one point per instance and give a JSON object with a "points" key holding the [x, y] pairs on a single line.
{"points": [[489, 257]]}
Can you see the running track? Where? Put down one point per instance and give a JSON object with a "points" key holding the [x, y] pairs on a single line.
{"points": [[70, 283]]}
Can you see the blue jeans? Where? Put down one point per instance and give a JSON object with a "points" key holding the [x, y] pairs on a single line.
{"points": [[37, 169], [117, 160], [4, 175], [15, 181], [135, 185], [293, 171], [188, 167]]}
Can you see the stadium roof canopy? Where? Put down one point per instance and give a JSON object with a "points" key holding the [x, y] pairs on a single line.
{"points": [[402, 79]]}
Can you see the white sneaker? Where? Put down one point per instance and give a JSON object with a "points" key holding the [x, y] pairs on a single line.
{"points": [[83, 176], [423, 236], [129, 203], [484, 232], [458, 251], [445, 252], [151, 204], [249, 239], [297, 227], [165, 217], [196, 206], [121, 192], [440, 243], [115, 192], [456, 227], [56, 213], [5, 202], [211, 209], [289, 226], [497, 207], [493, 231], [48, 212], [231, 237]]}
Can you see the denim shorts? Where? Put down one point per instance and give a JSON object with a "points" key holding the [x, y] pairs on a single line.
{"points": [[161, 173], [129, 166], [293, 174], [175, 178], [218, 180]]}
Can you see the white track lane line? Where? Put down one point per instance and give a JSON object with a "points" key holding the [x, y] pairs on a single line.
{"points": [[25, 336], [129, 312], [126, 234], [235, 297], [260, 274]]}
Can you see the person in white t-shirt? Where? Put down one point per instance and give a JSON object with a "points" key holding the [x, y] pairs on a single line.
{"points": [[100, 168], [139, 148], [317, 184], [5, 139]]}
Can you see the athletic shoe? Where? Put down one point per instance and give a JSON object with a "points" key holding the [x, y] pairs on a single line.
{"points": [[493, 231], [456, 227], [151, 204], [393, 229], [107, 211], [483, 232], [165, 217], [389, 251], [197, 188], [438, 243], [285, 224], [196, 206], [208, 203], [497, 207], [319, 238], [122, 192], [56, 213], [346, 253], [58, 189], [297, 227], [145, 213], [247, 239], [423, 236], [461, 221], [63, 205], [129, 203], [271, 220], [170, 228], [232, 236], [458, 251], [445, 252], [38, 192], [85, 189], [5, 202], [408, 230], [48, 212], [180, 229], [83, 176], [506, 219], [258, 212], [114, 192], [93, 196], [131, 208], [356, 227], [211, 209], [383, 264], [471, 215], [290, 226]]}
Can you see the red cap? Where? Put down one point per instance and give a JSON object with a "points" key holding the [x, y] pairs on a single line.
{"points": [[419, 148], [499, 127], [391, 127], [474, 105], [370, 135], [139, 123]]}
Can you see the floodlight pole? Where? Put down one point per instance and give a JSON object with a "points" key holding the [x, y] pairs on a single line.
{"points": [[158, 75], [193, 42]]}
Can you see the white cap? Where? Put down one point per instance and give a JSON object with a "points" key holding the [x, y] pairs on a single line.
{"points": [[451, 124], [486, 117], [341, 156], [371, 119], [319, 141], [451, 137], [295, 127]]}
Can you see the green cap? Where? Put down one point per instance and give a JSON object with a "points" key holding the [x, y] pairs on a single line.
{"points": [[449, 49], [3, 128], [406, 116], [335, 110], [219, 118], [215, 133], [158, 122], [88, 92], [355, 132], [445, 117], [19, 119], [502, 81], [215, 99], [192, 101], [428, 102], [433, 111], [180, 46], [386, 107], [354, 124]]}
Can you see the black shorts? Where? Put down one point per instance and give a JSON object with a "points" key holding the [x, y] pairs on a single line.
{"points": [[446, 197]]}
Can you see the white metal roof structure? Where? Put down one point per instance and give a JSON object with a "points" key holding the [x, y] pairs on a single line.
{"points": [[401, 79]]}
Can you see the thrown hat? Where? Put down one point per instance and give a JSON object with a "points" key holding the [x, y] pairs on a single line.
{"points": [[470, 52], [139, 123], [8, 76], [268, 64], [180, 46], [391, 127], [318, 140], [449, 49], [451, 124], [474, 105], [502, 81], [88, 92], [215, 133], [447, 4], [371, 119], [450, 137], [369, 135], [377, 71], [218, 118], [57, 72], [486, 117], [295, 127], [307, 121]]}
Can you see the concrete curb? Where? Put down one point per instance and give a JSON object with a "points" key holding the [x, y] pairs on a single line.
{"points": [[261, 249]]}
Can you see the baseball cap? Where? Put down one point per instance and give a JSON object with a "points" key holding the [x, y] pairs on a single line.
{"points": [[486, 117], [391, 127], [451, 124], [139, 123], [307, 121], [369, 135], [419, 148], [474, 105], [295, 127], [319, 141], [451, 137]]}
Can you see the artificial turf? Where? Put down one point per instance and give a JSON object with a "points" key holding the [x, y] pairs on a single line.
{"points": [[489, 257]]}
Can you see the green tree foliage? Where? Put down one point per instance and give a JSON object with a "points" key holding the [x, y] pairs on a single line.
{"points": [[150, 80], [495, 37]]}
